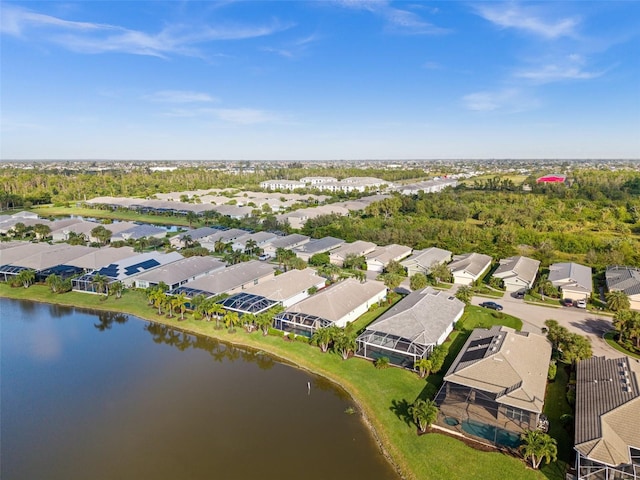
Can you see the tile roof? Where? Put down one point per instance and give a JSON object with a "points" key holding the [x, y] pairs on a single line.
{"points": [[512, 365], [607, 409]]}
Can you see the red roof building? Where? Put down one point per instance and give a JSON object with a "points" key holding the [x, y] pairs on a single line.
{"points": [[552, 179]]}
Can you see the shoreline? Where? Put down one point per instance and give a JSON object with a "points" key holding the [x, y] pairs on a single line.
{"points": [[172, 323]]}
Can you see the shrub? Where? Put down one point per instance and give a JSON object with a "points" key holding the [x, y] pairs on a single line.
{"points": [[291, 336], [553, 370], [381, 363], [571, 396], [302, 339]]}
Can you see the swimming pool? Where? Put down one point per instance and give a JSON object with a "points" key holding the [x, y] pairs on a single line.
{"points": [[495, 435]]}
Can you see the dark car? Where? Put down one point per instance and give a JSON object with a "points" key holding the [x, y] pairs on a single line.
{"points": [[566, 302], [491, 305]]}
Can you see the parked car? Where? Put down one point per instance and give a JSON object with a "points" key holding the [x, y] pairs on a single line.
{"points": [[519, 294], [264, 257], [581, 303], [491, 305], [566, 302]]}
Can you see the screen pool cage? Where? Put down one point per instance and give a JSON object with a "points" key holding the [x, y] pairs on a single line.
{"points": [[400, 351], [299, 323]]}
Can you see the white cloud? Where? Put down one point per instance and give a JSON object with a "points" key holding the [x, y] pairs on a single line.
{"points": [[567, 68], [397, 20], [179, 96], [528, 19], [244, 116], [85, 37], [510, 100]]}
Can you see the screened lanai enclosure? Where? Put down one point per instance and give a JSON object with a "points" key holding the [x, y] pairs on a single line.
{"points": [[86, 283], [247, 303], [400, 351], [299, 323]]}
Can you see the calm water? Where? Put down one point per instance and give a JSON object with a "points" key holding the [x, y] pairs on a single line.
{"points": [[102, 396]]}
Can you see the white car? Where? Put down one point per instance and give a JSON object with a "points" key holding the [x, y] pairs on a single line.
{"points": [[264, 257], [581, 304]]}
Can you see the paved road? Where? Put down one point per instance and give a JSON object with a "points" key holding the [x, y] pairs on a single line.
{"points": [[575, 319]]}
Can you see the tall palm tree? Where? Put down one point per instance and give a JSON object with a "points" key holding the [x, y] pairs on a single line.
{"points": [[344, 343], [424, 413], [179, 302], [424, 367], [159, 300], [215, 309], [117, 288], [100, 282], [617, 300], [249, 321], [264, 321], [323, 337], [231, 319], [538, 446], [54, 282], [464, 294], [26, 277]]}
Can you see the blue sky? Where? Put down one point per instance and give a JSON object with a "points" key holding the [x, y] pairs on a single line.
{"points": [[345, 79]]}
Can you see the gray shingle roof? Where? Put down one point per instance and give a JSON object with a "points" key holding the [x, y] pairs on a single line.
{"points": [[571, 275], [626, 279], [472, 263], [607, 409], [426, 258], [181, 270], [232, 277], [521, 267], [421, 317], [319, 245]]}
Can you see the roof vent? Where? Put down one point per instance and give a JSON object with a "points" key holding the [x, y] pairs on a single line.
{"points": [[595, 381]]}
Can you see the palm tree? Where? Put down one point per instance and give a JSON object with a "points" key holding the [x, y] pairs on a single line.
{"points": [[54, 282], [141, 244], [42, 231], [323, 337], [538, 446], [440, 272], [250, 247], [100, 283], [186, 240], [179, 303], [231, 319], [26, 277], [464, 294], [264, 322], [117, 288], [344, 343], [424, 367], [198, 304], [418, 281], [424, 413], [191, 218], [249, 322], [159, 300], [215, 309], [617, 300]]}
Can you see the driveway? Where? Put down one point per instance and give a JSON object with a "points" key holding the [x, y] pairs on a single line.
{"points": [[574, 319]]}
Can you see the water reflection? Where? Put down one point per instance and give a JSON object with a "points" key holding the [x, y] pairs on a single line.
{"points": [[107, 319], [219, 351]]}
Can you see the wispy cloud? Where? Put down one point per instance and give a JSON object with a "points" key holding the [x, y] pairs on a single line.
{"points": [[396, 20], [569, 68], [508, 100], [294, 49], [179, 96], [244, 116], [527, 18], [87, 37]]}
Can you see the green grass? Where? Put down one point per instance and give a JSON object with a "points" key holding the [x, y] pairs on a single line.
{"points": [[610, 338], [555, 406], [382, 395], [364, 320], [478, 317]]}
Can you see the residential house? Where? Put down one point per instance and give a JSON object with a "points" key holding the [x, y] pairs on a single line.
{"points": [[288, 242], [338, 305], [359, 248], [179, 272], [381, 256], [409, 330], [469, 267], [627, 280], [607, 419], [422, 261], [497, 382], [290, 287], [572, 279], [317, 245], [517, 273]]}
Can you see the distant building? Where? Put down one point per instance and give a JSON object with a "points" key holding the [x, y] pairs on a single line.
{"points": [[282, 184], [553, 178], [573, 280], [607, 419], [517, 273], [359, 248], [317, 245]]}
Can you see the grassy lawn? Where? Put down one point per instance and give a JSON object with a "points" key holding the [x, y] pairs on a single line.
{"points": [[555, 406], [382, 395], [364, 320], [610, 338], [478, 317]]}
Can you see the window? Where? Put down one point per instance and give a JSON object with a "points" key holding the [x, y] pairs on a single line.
{"points": [[516, 414], [635, 455]]}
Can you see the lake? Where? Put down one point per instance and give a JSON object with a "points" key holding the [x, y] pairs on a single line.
{"points": [[92, 395]]}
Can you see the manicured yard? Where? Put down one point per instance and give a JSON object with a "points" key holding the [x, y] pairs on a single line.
{"points": [[610, 338], [50, 211], [383, 395]]}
